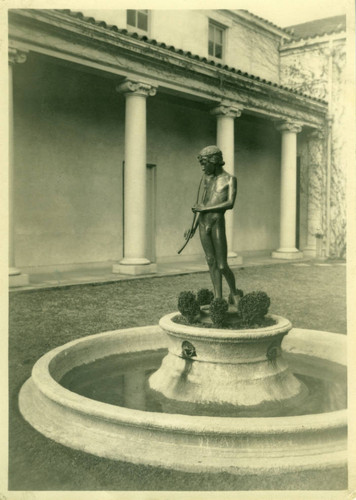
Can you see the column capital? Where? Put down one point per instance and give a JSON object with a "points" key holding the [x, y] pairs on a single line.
{"points": [[136, 88], [17, 56], [226, 109], [289, 126], [317, 134], [329, 120]]}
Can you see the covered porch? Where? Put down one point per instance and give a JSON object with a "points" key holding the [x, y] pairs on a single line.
{"points": [[139, 165]]}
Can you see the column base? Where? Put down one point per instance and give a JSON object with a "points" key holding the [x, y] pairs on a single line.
{"points": [[18, 280], [234, 260], [288, 254], [309, 252], [13, 271], [134, 269]]}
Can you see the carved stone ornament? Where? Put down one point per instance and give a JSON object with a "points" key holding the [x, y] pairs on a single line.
{"points": [[289, 126], [138, 88], [317, 134], [17, 56], [231, 111]]}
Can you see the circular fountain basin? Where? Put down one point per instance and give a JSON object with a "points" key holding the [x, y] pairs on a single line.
{"points": [[215, 371], [269, 445]]}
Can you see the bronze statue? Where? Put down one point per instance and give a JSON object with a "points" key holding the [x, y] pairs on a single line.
{"points": [[219, 193]]}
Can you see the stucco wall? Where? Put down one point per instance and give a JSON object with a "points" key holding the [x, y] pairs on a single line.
{"points": [[247, 47], [68, 166], [176, 133], [319, 70], [257, 164], [69, 149]]}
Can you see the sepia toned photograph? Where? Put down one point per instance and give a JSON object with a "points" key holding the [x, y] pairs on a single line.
{"points": [[179, 250]]}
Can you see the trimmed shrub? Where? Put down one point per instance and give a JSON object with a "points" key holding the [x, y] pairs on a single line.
{"points": [[188, 306], [205, 297], [253, 307], [218, 310]]}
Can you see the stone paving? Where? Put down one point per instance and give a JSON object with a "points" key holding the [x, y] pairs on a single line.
{"points": [[103, 274]]}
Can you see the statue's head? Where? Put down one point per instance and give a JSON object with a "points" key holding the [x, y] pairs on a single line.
{"points": [[212, 154]]}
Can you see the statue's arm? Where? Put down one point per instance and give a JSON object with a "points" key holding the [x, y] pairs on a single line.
{"points": [[225, 205]]}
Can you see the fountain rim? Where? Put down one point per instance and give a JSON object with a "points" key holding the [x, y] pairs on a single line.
{"points": [[283, 325], [53, 390]]}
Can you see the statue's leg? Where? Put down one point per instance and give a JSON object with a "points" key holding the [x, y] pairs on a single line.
{"points": [[208, 247], [220, 245]]}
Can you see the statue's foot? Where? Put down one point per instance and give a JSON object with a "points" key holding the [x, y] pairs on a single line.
{"points": [[234, 298]]}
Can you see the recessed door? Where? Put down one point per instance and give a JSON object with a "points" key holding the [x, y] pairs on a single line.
{"points": [[297, 225], [151, 212]]}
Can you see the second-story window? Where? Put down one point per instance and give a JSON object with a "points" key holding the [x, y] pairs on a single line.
{"points": [[216, 40], [138, 19]]}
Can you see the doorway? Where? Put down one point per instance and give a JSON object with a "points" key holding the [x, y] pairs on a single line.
{"points": [[151, 212], [297, 222]]}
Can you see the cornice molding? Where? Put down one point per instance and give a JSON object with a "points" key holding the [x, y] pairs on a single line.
{"points": [[61, 36]]}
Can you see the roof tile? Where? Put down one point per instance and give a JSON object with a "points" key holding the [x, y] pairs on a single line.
{"points": [[144, 38], [319, 27]]}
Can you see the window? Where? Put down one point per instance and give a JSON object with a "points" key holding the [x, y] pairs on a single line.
{"points": [[138, 19], [216, 40]]}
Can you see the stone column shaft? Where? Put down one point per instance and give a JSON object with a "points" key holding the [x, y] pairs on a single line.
{"points": [[12, 269], [135, 261], [288, 199], [16, 278], [225, 140]]}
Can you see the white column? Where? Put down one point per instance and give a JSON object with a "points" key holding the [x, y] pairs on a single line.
{"points": [[135, 261], [225, 140], [16, 278], [316, 192], [288, 206]]}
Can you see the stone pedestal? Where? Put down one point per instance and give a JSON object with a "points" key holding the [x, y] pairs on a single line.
{"points": [[210, 371], [16, 278]]}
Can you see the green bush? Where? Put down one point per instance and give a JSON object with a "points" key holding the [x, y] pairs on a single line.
{"points": [[253, 307], [218, 310], [188, 306], [205, 297]]}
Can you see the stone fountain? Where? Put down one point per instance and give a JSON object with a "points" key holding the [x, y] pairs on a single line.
{"points": [[127, 430], [211, 371], [265, 401]]}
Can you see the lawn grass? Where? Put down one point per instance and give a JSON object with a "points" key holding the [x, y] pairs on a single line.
{"points": [[310, 297]]}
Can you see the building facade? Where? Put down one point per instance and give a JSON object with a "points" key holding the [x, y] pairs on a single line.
{"points": [[107, 118], [315, 62]]}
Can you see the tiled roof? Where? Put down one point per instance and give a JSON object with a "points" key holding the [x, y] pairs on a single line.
{"points": [[286, 30], [211, 62], [319, 27]]}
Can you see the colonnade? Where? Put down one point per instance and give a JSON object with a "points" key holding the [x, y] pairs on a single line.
{"points": [[134, 260], [136, 94]]}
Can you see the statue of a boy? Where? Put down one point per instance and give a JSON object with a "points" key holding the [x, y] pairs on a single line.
{"points": [[219, 193]]}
